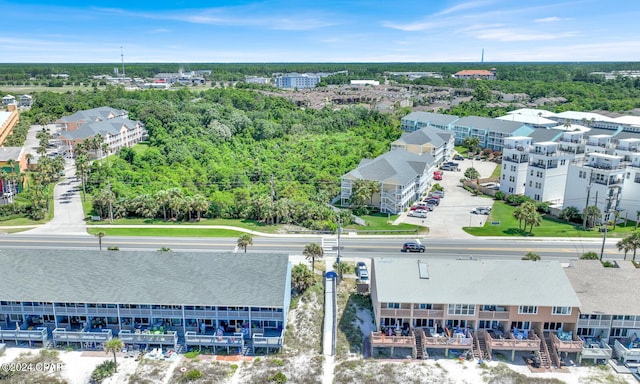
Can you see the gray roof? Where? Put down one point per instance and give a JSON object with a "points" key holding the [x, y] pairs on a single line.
{"points": [[8, 153], [425, 135], [144, 277], [611, 291], [541, 134], [111, 127], [95, 114], [480, 282], [489, 124], [432, 118], [396, 167]]}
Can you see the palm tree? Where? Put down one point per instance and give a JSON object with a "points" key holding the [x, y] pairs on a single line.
{"points": [[624, 245], [519, 214], [471, 174], [635, 227], [633, 243], [199, 204], [114, 345], [313, 251], [569, 213], [531, 256], [29, 158], [591, 214], [244, 241], [100, 235]]}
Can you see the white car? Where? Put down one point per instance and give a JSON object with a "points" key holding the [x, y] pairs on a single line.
{"points": [[482, 210]]}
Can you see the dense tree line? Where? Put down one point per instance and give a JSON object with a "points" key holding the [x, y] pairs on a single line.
{"points": [[225, 153]]}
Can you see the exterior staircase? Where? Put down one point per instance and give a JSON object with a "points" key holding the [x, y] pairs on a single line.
{"points": [[480, 351], [555, 357], [420, 351], [545, 359]]}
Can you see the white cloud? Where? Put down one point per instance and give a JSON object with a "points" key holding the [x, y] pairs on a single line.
{"points": [[552, 19]]}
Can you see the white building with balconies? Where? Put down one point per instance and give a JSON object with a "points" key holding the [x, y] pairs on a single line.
{"points": [[515, 160], [547, 174], [630, 201], [596, 180]]}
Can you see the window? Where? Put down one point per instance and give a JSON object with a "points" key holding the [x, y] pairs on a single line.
{"points": [[552, 326], [521, 325], [462, 309], [424, 323], [423, 306], [618, 332], [563, 162], [393, 305], [531, 173], [528, 310], [561, 310]]}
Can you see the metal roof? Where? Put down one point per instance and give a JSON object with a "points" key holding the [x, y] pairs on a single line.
{"points": [[480, 282], [397, 167], [489, 124], [432, 118], [144, 277]]}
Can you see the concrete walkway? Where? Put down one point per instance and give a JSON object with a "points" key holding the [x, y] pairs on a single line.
{"points": [[68, 218]]}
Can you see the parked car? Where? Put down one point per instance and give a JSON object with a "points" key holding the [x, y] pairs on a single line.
{"points": [[449, 167], [481, 210], [413, 247], [458, 157], [440, 194], [420, 213], [361, 271], [437, 176], [430, 207], [433, 201]]}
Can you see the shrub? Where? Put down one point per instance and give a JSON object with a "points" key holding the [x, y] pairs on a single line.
{"points": [[191, 375], [590, 256], [103, 371], [278, 378], [191, 354], [113, 248]]}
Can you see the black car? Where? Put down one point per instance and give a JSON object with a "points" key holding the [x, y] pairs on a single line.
{"points": [[458, 157], [413, 247], [432, 201]]}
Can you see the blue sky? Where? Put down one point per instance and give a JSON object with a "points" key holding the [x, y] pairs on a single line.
{"points": [[320, 31]]}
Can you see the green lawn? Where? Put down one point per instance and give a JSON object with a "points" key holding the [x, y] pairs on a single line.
{"points": [[194, 231], [382, 221], [502, 213], [241, 223]]}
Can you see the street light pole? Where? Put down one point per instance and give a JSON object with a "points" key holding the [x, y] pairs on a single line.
{"points": [[604, 237], [338, 259]]}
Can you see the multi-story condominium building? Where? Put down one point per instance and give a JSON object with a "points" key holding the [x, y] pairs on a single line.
{"points": [[113, 124], [599, 143], [481, 74], [572, 142], [429, 140], [515, 161], [547, 173], [627, 148], [444, 304], [8, 99], [490, 132], [224, 300], [402, 177], [609, 309], [596, 180], [630, 201], [418, 120], [297, 80]]}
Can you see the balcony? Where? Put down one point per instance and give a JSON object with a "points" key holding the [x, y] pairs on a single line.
{"points": [[261, 341], [574, 345], [594, 323], [428, 313], [64, 336], [387, 312], [493, 315], [507, 341], [148, 337], [609, 181], [544, 166], [627, 352], [625, 324], [235, 340], [596, 350], [39, 334], [522, 159], [379, 339], [459, 341]]}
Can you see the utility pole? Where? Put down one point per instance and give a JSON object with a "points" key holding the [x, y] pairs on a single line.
{"points": [[338, 258], [110, 203], [606, 227], [586, 204]]}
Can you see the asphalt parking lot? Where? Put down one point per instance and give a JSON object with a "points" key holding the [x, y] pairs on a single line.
{"points": [[454, 211]]}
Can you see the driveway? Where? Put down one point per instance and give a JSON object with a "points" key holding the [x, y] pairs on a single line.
{"points": [[454, 212]]}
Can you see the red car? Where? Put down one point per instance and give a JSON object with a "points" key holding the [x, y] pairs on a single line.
{"points": [[437, 176]]}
